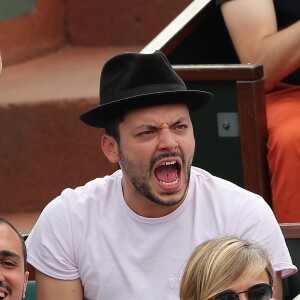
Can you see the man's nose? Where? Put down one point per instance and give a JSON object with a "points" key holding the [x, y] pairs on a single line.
{"points": [[167, 140]]}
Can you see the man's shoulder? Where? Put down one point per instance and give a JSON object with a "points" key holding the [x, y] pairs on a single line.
{"points": [[206, 181], [100, 183], [95, 191], [92, 198]]}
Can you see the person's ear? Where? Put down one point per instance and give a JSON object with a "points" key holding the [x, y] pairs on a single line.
{"points": [[25, 283], [110, 148]]}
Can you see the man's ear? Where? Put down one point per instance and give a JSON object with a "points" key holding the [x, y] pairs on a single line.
{"points": [[110, 148], [25, 283]]}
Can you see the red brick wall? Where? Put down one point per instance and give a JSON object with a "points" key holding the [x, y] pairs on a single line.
{"points": [[45, 149], [119, 22]]}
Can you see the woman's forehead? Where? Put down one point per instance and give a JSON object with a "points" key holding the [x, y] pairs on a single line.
{"points": [[245, 282]]}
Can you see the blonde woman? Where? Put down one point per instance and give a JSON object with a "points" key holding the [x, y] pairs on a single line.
{"points": [[227, 268]]}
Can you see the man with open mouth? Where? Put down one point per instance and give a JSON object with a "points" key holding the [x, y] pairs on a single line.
{"points": [[129, 234], [13, 274]]}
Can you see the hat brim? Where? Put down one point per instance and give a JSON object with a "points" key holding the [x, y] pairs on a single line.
{"points": [[194, 99]]}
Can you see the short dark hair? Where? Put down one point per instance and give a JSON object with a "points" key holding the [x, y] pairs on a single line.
{"points": [[4, 221], [112, 125]]}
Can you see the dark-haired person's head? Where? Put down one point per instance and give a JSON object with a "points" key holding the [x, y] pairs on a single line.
{"points": [[13, 258], [145, 110]]}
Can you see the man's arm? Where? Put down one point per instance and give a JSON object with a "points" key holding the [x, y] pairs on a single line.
{"points": [[48, 288], [253, 29]]}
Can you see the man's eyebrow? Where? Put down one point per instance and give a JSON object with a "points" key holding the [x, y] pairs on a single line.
{"points": [[146, 126], [150, 126], [183, 119], [8, 253]]}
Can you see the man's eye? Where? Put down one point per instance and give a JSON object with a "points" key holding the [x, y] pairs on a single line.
{"points": [[180, 127], [146, 133], [8, 263]]}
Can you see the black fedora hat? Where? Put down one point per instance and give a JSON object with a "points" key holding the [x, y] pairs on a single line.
{"points": [[133, 80]]}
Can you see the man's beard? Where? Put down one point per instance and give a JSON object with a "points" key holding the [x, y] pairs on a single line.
{"points": [[141, 183]]}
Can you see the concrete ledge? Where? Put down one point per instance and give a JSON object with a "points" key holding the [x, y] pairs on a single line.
{"points": [[67, 74], [44, 147]]}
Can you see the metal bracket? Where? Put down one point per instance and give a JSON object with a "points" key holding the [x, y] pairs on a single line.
{"points": [[228, 125]]}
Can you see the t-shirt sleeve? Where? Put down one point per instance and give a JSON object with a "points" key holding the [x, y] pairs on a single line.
{"points": [[258, 223], [50, 245]]}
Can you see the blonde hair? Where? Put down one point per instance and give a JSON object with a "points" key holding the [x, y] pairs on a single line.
{"points": [[219, 263]]}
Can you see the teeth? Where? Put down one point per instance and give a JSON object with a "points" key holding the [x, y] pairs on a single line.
{"points": [[167, 163], [169, 183], [2, 295]]}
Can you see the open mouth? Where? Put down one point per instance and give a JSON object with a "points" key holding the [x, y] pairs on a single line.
{"points": [[2, 295], [168, 172]]}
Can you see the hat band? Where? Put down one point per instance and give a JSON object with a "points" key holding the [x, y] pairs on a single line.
{"points": [[143, 90]]}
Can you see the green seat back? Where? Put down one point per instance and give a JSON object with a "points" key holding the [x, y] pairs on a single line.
{"points": [[30, 291], [219, 155]]}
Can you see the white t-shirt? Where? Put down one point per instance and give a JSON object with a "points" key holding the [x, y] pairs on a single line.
{"points": [[90, 233]]}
